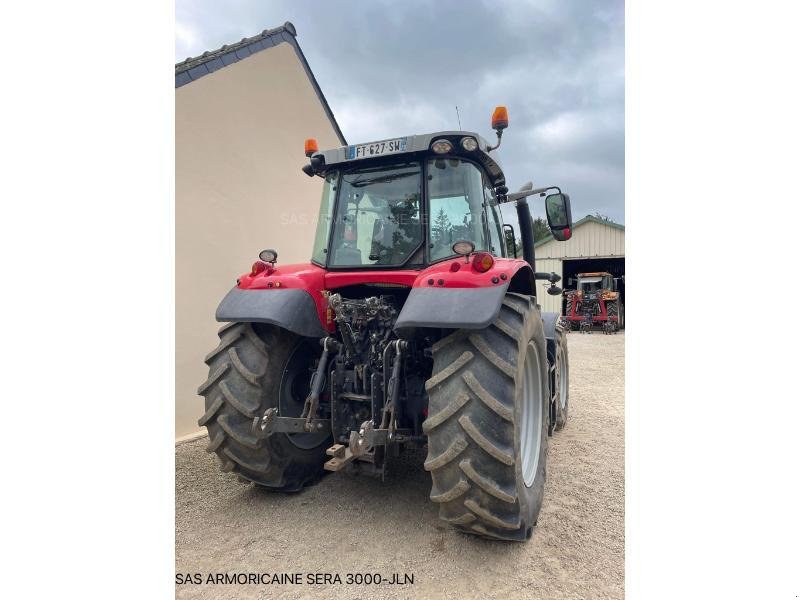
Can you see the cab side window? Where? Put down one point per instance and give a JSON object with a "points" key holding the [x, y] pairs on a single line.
{"points": [[494, 223], [456, 201]]}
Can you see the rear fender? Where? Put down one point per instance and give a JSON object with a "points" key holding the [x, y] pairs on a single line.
{"points": [[551, 325], [288, 296], [448, 297]]}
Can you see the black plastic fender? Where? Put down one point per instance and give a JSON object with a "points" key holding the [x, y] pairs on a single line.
{"points": [[451, 308], [550, 320], [290, 309]]}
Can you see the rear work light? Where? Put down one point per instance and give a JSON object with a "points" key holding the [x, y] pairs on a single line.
{"points": [[469, 144], [463, 247], [441, 146], [482, 262], [269, 255]]}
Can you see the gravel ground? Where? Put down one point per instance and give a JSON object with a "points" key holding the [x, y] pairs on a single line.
{"points": [[350, 524]]}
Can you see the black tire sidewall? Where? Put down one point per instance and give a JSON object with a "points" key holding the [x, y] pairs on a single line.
{"points": [[562, 414], [530, 498], [275, 462], [299, 463]]}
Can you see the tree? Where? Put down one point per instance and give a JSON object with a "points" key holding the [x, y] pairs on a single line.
{"points": [[603, 217], [441, 226], [540, 229]]}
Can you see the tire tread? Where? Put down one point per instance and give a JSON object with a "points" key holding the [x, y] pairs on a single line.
{"points": [[471, 424]]}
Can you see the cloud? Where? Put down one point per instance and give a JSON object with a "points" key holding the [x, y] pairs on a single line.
{"points": [[187, 39], [389, 68]]}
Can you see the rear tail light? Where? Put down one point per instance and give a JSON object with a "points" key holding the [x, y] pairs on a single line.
{"points": [[258, 267], [482, 262]]}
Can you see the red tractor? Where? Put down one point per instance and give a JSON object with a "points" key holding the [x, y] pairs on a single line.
{"points": [[596, 301], [411, 327]]}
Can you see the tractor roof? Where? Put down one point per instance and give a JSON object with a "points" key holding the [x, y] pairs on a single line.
{"points": [[416, 147]]}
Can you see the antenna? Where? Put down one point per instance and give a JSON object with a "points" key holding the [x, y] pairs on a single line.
{"points": [[459, 118]]}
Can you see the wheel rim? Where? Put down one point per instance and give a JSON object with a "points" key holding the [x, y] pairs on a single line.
{"points": [[562, 377], [531, 426], [293, 391]]}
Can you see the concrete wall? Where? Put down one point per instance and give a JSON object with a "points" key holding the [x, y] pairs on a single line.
{"points": [[238, 189]]}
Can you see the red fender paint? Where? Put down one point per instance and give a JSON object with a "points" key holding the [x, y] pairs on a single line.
{"points": [[317, 281]]}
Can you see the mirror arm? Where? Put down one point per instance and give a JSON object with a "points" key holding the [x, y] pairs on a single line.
{"points": [[518, 195], [552, 277]]}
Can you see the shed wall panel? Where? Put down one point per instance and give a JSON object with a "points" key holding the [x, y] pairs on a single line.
{"points": [[546, 301], [589, 240]]}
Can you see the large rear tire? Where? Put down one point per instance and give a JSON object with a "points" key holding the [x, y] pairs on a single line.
{"points": [[487, 425], [256, 367]]}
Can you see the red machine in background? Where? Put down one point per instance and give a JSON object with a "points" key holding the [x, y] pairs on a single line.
{"points": [[596, 301]]}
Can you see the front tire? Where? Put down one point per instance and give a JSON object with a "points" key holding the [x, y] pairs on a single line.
{"points": [[253, 368], [615, 309], [489, 403]]}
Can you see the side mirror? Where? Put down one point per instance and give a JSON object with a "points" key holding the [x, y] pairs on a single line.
{"points": [[559, 216]]}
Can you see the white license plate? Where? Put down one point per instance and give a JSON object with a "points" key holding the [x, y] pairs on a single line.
{"points": [[376, 148]]}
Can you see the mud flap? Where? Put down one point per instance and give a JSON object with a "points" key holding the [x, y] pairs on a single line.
{"points": [[451, 308]]}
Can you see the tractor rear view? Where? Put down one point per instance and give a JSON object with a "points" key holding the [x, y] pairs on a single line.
{"points": [[412, 326], [596, 301]]}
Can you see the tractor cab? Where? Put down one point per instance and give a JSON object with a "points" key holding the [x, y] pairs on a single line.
{"points": [[403, 203], [594, 282]]}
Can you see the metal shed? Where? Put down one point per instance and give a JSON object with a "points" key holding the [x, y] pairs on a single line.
{"points": [[596, 245]]}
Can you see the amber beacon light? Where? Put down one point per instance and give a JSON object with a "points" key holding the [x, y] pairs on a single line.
{"points": [[311, 146], [500, 118]]}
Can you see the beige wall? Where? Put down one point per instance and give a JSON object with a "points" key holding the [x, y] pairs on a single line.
{"points": [[238, 189]]}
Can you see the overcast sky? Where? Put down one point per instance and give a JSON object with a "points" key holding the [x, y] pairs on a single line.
{"points": [[391, 68]]}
